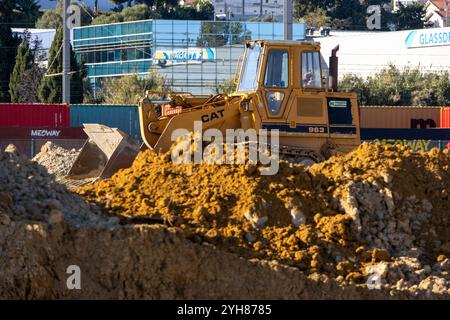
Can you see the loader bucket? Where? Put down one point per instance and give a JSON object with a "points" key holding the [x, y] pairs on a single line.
{"points": [[105, 152]]}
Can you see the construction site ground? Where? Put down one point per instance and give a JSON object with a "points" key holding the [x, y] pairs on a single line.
{"points": [[372, 224]]}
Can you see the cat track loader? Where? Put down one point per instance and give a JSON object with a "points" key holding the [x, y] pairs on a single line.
{"points": [[281, 85]]}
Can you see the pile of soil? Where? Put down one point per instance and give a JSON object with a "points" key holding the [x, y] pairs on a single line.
{"points": [[378, 216], [29, 192], [249, 239], [56, 159]]}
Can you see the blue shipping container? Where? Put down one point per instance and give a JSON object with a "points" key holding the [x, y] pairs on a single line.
{"points": [[124, 117]]}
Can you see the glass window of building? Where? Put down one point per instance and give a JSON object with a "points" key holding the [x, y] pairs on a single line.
{"points": [[110, 56], [124, 55], [131, 54], [139, 53], [104, 56], [117, 55]]}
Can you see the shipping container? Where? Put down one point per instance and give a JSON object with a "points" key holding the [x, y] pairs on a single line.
{"points": [[400, 117], [416, 139], [11, 133], [29, 140], [34, 115], [124, 117], [445, 118]]}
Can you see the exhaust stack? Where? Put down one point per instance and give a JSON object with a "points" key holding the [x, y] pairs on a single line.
{"points": [[333, 75]]}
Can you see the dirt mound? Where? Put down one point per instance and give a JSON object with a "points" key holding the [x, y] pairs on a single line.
{"points": [[223, 238], [151, 262], [29, 192], [56, 159], [379, 215]]}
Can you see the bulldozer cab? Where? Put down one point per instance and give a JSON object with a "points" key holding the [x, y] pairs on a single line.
{"points": [[286, 84]]}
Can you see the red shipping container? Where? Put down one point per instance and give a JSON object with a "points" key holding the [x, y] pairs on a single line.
{"points": [[34, 115], [26, 133], [445, 118]]}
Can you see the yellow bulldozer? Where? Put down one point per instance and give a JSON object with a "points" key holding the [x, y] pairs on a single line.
{"points": [[281, 85]]}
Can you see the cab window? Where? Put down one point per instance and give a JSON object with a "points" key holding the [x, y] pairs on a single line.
{"points": [[250, 70], [277, 70], [311, 73]]}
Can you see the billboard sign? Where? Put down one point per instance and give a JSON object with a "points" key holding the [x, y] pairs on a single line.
{"points": [[428, 38], [166, 58]]}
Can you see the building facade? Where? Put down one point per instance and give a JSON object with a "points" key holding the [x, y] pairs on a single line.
{"points": [[366, 53], [243, 9], [194, 56], [114, 50]]}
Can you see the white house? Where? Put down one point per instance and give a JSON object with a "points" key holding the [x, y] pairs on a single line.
{"points": [[438, 13]]}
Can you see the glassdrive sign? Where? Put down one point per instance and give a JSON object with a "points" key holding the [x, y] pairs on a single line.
{"points": [[428, 38]]}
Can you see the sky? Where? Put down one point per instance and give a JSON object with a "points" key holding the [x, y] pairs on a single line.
{"points": [[103, 4]]}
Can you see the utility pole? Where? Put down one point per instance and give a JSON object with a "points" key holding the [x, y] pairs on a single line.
{"points": [[287, 19], [66, 54]]}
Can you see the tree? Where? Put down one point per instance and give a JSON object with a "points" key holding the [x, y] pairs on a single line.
{"points": [[266, 18], [213, 34], [353, 10], [344, 14], [158, 4], [156, 9], [227, 86], [27, 13], [394, 87], [52, 18], [199, 10], [129, 89], [24, 62], [50, 90], [28, 88], [220, 33], [8, 47], [121, 2], [316, 19], [302, 7], [411, 16], [134, 13], [353, 83]]}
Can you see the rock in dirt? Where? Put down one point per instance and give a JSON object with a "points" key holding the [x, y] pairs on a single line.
{"points": [[56, 159], [28, 191]]}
